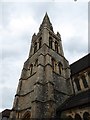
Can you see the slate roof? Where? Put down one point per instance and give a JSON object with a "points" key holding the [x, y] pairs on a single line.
{"points": [[81, 99], [80, 65], [6, 113]]}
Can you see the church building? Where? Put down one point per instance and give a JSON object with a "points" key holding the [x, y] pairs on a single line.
{"points": [[49, 87]]}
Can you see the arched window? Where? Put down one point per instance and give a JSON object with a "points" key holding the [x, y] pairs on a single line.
{"points": [[40, 42], [35, 47], [56, 46], [86, 116], [77, 117], [50, 42], [26, 116], [84, 81], [53, 64], [60, 68], [77, 84], [69, 118], [31, 69]]}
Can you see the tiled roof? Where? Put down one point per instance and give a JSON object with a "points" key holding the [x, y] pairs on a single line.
{"points": [[80, 99], [80, 65]]}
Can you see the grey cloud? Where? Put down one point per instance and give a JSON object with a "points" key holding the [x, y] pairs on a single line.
{"points": [[7, 94], [76, 44], [16, 44]]}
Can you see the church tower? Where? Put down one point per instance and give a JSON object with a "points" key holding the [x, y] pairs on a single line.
{"points": [[45, 79]]}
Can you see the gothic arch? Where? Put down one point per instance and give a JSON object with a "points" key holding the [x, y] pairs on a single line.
{"points": [[86, 116], [77, 117], [26, 116]]}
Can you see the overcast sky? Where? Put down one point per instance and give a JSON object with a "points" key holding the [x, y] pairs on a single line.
{"points": [[18, 22]]}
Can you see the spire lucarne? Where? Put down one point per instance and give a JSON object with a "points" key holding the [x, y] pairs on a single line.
{"points": [[45, 79]]}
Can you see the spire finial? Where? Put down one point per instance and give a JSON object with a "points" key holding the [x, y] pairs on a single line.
{"points": [[46, 14], [46, 22]]}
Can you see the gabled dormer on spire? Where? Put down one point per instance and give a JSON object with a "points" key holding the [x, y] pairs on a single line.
{"points": [[46, 23]]}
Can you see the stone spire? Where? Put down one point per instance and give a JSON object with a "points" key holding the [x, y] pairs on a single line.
{"points": [[46, 23]]}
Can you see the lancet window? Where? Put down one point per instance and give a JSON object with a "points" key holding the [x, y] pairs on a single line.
{"points": [[50, 42], [56, 67], [84, 81], [35, 47], [40, 42], [60, 68], [31, 69], [77, 84], [56, 46], [53, 64]]}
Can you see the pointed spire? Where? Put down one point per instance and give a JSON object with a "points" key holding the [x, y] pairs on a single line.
{"points": [[46, 18], [46, 23]]}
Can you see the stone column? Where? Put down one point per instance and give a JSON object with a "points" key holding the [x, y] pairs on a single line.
{"points": [[75, 87], [61, 48], [37, 45], [59, 51], [57, 68]]}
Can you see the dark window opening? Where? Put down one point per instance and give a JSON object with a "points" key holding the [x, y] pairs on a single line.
{"points": [[56, 46], [89, 74], [40, 40], [84, 82], [78, 117], [35, 47], [60, 68], [31, 69], [86, 116], [50, 42], [77, 84], [53, 64]]}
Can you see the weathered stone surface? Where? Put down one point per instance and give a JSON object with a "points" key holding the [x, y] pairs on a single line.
{"points": [[43, 89]]}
